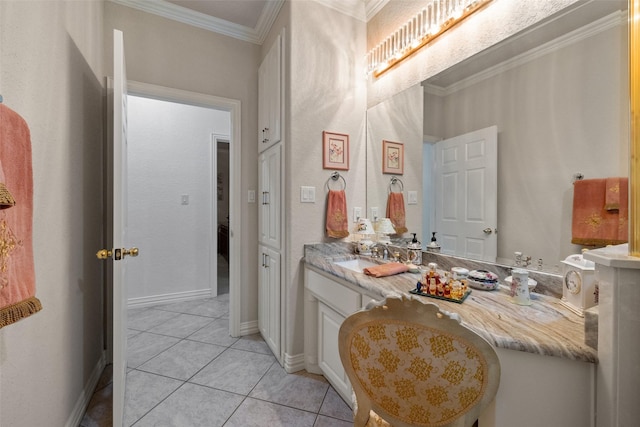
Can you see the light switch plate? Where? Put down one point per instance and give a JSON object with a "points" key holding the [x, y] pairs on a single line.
{"points": [[307, 194], [374, 214], [184, 199], [413, 197], [251, 198], [357, 214]]}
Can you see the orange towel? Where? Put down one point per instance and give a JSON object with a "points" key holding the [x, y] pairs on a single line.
{"points": [[388, 269], [17, 273], [612, 196], [337, 223], [592, 223], [395, 212]]}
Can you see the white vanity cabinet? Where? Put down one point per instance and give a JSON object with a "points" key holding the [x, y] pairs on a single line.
{"points": [[535, 390], [328, 301], [271, 188], [270, 86]]}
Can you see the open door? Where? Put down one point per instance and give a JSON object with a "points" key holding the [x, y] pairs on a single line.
{"points": [[466, 181], [119, 220]]}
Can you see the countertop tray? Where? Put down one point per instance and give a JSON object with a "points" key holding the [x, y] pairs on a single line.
{"points": [[459, 301]]}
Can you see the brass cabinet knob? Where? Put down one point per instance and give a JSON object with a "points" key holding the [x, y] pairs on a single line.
{"points": [[130, 252]]}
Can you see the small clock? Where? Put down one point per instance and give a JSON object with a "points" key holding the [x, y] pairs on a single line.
{"points": [[573, 282], [579, 287]]}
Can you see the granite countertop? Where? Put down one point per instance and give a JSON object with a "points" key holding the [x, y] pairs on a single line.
{"points": [[546, 327]]}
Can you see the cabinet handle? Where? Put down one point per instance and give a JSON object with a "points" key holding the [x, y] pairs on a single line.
{"points": [[265, 198], [266, 261]]}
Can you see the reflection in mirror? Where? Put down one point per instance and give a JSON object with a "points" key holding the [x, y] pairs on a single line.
{"points": [[557, 94], [398, 119]]}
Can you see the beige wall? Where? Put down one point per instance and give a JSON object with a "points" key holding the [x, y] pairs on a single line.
{"points": [[51, 74], [167, 53], [327, 92]]}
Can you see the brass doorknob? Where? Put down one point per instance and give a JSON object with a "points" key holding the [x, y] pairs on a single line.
{"points": [[118, 254], [130, 252], [103, 254], [487, 230]]}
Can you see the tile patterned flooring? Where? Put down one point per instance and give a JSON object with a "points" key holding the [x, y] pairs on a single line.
{"points": [[185, 370]]}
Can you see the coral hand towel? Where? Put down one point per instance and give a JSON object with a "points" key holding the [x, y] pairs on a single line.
{"points": [[395, 212], [593, 224], [612, 195], [384, 270], [17, 273], [337, 223]]}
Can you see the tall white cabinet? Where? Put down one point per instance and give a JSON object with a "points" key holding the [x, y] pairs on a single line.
{"points": [[270, 197]]}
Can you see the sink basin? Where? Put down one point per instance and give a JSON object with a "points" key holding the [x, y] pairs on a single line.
{"points": [[357, 265]]}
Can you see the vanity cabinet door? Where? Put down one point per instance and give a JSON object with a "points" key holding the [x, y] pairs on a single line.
{"points": [[270, 179], [329, 322], [269, 298], [270, 97]]}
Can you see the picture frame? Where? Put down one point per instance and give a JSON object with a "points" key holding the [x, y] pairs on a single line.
{"points": [[335, 151], [392, 157]]}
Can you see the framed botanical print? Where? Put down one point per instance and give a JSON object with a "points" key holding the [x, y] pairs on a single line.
{"points": [[392, 157], [335, 153]]}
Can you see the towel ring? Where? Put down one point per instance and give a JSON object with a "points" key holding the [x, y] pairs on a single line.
{"points": [[396, 180], [334, 177]]}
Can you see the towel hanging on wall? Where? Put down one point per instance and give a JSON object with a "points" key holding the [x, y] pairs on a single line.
{"points": [[17, 273], [396, 213], [337, 220], [600, 212]]}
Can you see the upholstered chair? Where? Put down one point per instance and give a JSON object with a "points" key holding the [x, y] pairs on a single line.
{"points": [[412, 364]]}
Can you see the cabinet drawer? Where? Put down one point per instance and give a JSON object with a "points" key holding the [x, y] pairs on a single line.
{"points": [[335, 295]]}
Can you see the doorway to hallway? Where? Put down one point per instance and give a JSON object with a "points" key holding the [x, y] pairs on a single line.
{"points": [[183, 169]]}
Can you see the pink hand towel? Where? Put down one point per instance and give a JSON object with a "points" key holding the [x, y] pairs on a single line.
{"points": [[592, 224], [337, 222], [395, 212], [17, 272], [384, 270]]}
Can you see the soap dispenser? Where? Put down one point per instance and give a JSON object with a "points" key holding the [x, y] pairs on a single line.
{"points": [[433, 246], [414, 251]]}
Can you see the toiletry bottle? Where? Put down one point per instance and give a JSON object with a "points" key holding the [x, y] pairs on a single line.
{"points": [[433, 246], [414, 251]]}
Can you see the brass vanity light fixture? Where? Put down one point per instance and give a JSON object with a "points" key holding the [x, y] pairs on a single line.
{"points": [[434, 20]]}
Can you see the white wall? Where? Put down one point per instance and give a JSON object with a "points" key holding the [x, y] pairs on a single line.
{"points": [[51, 74], [327, 92], [557, 115], [167, 53], [170, 153]]}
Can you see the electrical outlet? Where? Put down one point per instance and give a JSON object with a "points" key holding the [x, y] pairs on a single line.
{"points": [[357, 214]]}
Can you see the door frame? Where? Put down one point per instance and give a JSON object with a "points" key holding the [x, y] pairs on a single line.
{"points": [[213, 271], [232, 106]]}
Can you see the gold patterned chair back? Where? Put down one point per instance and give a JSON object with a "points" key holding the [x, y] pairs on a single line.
{"points": [[414, 365]]}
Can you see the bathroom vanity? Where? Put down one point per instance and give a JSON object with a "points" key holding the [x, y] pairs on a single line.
{"points": [[548, 372]]}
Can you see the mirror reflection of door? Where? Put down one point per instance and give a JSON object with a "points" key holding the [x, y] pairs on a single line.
{"points": [[222, 195], [466, 175]]}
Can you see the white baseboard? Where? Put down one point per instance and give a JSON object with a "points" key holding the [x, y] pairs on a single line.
{"points": [[293, 363], [249, 328], [168, 298], [85, 397]]}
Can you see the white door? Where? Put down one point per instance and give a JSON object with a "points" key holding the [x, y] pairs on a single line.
{"points": [[466, 181], [269, 299], [119, 344]]}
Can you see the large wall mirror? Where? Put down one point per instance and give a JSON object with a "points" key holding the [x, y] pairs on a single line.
{"points": [[556, 95]]}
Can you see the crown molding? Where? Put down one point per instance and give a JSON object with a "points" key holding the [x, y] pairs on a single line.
{"points": [[611, 21], [353, 8], [372, 7], [186, 16]]}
